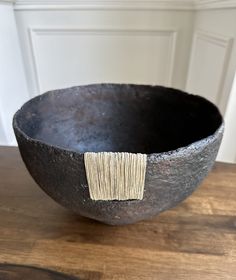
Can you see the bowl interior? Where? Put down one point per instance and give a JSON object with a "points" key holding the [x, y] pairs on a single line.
{"points": [[118, 118]]}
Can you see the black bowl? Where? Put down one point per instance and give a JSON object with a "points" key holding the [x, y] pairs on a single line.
{"points": [[179, 132]]}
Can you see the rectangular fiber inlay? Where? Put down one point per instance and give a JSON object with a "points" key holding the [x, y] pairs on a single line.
{"points": [[118, 176]]}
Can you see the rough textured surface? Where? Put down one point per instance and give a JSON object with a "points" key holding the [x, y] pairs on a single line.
{"points": [[21, 272], [181, 134]]}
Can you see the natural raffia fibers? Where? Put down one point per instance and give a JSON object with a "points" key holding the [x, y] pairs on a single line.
{"points": [[119, 176]]}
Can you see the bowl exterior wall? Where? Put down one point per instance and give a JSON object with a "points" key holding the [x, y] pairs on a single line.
{"points": [[169, 179]]}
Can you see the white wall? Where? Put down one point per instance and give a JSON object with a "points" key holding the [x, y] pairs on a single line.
{"points": [[13, 88], [227, 151], [65, 43], [213, 56], [63, 47], [213, 67]]}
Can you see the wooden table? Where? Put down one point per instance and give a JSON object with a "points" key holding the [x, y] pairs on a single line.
{"points": [[196, 240]]}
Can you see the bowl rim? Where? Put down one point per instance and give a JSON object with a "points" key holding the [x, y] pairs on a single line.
{"points": [[193, 147]]}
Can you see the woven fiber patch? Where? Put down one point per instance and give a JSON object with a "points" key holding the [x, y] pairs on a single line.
{"points": [[119, 176]]}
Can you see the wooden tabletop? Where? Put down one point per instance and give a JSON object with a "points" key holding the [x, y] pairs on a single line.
{"points": [[194, 241]]}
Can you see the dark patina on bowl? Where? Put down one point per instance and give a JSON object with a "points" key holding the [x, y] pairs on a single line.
{"points": [[179, 132]]}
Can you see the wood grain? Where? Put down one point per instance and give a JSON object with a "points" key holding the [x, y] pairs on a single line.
{"points": [[21, 272], [196, 240]]}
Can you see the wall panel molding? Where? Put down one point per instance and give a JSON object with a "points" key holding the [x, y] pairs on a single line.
{"points": [[174, 5], [35, 32], [3, 138], [104, 5], [7, 1], [214, 4], [225, 43]]}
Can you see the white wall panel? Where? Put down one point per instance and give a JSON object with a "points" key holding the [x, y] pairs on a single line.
{"points": [[208, 65], [220, 25], [227, 151], [216, 50], [13, 87], [70, 56], [65, 48]]}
